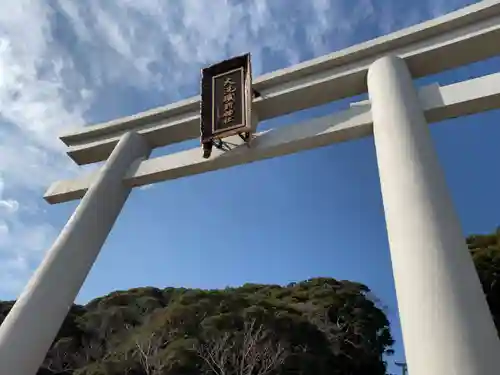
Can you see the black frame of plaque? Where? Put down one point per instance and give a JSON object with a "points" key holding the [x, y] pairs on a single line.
{"points": [[215, 99]]}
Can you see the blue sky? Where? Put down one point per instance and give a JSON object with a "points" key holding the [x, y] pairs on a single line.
{"points": [[317, 213]]}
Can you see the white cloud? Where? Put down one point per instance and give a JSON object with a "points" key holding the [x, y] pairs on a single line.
{"points": [[164, 43], [9, 206], [67, 62], [21, 244]]}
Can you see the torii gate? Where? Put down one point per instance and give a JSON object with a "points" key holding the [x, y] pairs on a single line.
{"points": [[447, 326]]}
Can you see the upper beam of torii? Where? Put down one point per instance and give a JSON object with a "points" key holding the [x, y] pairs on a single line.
{"points": [[468, 35], [446, 324], [459, 38]]}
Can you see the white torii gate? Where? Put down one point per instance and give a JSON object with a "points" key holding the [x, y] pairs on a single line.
{"points": [[447, 326]]}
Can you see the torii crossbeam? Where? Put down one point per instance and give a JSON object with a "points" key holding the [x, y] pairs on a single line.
{"points": [[447, 327]]}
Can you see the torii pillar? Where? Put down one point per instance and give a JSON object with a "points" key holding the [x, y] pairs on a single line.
{"points": [[31, 326], [446, 323]]}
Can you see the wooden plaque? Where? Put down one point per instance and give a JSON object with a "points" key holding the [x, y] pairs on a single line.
{"points": [[226, 98]]}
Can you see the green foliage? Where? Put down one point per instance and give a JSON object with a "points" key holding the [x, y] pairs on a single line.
{"points": [[485, 251], [148, 331], [321, 325]]}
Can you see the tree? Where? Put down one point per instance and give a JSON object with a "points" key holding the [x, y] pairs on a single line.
{"points": [[148, 350], [254, 351], [485, 250], [320, 326], [61, 358]]}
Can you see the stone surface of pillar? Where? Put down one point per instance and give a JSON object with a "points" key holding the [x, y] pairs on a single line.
{"points": [[446, 323], [31, 326]]}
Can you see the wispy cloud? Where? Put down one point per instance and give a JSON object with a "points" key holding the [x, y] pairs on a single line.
{"points": [[163, 43], [64, 63], [22, 242]]}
